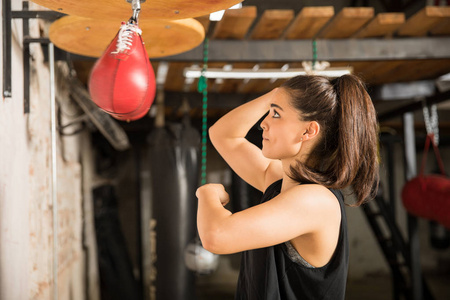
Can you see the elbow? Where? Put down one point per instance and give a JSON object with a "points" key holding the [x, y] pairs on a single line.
{"points": [[212, 132], [209, 244], [213, 242], [218, 137]]}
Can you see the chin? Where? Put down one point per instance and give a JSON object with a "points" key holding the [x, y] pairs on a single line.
{"points": [[268, 155]]}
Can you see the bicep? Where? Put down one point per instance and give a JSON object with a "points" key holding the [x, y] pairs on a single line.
{"points": [[276, 221], [247, 161], [281, 219]]}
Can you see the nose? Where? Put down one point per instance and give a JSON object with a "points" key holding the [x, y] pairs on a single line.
{"points": [[264, 125]]}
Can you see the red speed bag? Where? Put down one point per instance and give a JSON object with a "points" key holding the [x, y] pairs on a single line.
{"points": [[122, 81], [428, 196]]}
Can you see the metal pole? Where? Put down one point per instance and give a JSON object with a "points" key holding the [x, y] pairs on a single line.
{"points": [[26, 63], [413, 230], [391, 171], [51, 58], [7, 48]]}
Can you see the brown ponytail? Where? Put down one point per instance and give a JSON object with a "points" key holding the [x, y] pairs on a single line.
{"points": [[347, 152]]}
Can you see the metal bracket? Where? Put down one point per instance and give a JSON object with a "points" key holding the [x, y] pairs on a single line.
{"points": [[136, 7], [25, 14]]}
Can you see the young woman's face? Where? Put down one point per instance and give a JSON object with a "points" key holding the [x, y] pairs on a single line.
{"points": [[282, 128]]}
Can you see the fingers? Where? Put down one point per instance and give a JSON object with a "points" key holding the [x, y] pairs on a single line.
{"points": [[224, 201], [210, 187], [217, 189]]}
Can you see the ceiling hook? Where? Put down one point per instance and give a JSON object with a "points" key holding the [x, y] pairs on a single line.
{"points": [[136, 7]]}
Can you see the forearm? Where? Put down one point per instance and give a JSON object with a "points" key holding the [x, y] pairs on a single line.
{"points": [[240, 120], [210, 217]]}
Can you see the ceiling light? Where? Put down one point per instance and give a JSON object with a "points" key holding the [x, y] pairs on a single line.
{"points": [[195, 72]]}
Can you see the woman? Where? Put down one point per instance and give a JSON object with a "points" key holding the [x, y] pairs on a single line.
{"points": [[319, 136]]}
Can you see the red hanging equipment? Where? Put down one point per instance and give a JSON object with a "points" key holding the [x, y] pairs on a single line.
{"points": [[428, 196], [122, 81]]}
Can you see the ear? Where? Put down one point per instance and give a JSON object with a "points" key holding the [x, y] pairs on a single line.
{"points": [[312, 131]]}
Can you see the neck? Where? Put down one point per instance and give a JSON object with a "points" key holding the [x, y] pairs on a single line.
{"points": [[302, 155], [287, 181]]}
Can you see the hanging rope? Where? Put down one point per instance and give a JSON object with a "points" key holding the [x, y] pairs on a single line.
{"points": [[203, 88]]}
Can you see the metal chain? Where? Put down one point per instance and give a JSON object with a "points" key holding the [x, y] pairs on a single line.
{"points": [[203, 88], [431, 121]]}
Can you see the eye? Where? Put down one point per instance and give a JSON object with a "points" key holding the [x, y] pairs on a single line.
{"points": [[275, 114]]}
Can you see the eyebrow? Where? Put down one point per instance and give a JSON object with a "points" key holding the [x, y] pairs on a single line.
{"points": [[276, 105]]}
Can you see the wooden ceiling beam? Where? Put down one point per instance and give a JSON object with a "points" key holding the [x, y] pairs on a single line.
{"points": [[382, 71], [309, 22], [424, 20], [272, 24], [442, 28], [235, 23], [384, 24], [346, 23], [424, 69]]}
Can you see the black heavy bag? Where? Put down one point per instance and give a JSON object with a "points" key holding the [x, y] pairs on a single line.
{"points": [[174, 166], [117, 281]]}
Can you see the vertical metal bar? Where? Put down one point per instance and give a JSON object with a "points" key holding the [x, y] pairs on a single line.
{"points": [[51, 58], [410, 146], [7, 48], [391, 171], [26, 62], [413, 230], [397, 280]]}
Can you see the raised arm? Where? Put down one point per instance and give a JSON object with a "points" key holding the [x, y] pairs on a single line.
{"points": [[299, 210], [228, 137]]}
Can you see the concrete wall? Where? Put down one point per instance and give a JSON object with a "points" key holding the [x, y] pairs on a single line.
{"points": [[26, 207]]}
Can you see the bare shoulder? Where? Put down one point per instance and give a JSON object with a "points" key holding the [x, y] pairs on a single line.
{"points": [[314, 198]]}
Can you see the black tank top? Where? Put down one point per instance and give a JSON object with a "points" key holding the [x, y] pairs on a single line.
{"points": [[270, 274]]}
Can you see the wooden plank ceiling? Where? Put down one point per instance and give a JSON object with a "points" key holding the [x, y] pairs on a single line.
{"points": [[320, 23]]}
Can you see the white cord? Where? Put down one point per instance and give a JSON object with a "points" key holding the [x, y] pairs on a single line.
{"points": [[124, 41]]}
